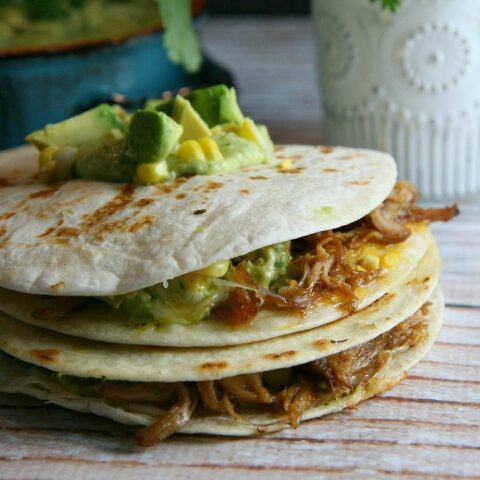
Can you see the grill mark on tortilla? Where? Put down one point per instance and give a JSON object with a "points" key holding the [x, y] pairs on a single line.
{"points": [[379, 303], [277, 356], [292, 170], [44, 193], [355, 182], [199, 212], [180, 196], [326, 149], [50, 230], [66, 232], [3, 231], [213, 365], [7, 215], [329, 170], [180, 180], [143, 202], [46, 355], [57, 287], [146, 220], [165, 189], [258, 177], [63, 242], [339, 341], [118, 203], [96, 223], [245, 191], [213, 185], [321, 344]]}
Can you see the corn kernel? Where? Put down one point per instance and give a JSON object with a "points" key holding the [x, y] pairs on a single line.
{"points": [[225, 127], [210, 148], [257, 134], [370, 262], [285, 164], [46, 164], [249, 131], [390, 260], [361, 292], [217, 269], [190, 150], [194, 282], [46, 158], [152, 172]]}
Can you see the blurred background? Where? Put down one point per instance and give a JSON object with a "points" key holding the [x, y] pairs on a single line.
{"points": [[394, 75], [56, 61]]}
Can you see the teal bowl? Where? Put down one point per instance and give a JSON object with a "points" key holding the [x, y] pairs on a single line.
{"points": [[48, 86], [40, 86]]}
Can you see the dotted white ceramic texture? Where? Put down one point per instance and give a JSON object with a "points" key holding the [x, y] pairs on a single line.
{"points": [[408, 83]]}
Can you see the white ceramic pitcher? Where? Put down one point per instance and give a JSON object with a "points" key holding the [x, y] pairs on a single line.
{"points": [[408, 83]]}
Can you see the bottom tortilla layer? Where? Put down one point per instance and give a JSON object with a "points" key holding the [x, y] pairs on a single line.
{"points": [[20, 377]]}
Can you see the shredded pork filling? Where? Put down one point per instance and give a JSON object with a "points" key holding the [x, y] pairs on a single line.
{"points": [[288, 392], [320, 270]]}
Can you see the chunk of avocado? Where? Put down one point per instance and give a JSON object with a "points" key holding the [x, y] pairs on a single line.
{"points": [[152, 136], [216, 105], [88, 128], [161, 105], [194, 127], [103, 163]]}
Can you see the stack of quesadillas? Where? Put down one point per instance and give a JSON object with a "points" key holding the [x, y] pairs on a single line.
{"points": [[231, 304]]}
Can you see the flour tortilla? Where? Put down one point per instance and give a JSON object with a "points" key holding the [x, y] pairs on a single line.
{"points": [[17, 377], [95, 238], [88, 358], [98, 321]]}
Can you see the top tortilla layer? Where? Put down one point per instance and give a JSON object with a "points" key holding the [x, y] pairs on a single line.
{"points": [[96, 238]]}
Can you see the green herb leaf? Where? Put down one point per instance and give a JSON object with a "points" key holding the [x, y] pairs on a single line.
{"points": [[391, 5], [181, 41]]}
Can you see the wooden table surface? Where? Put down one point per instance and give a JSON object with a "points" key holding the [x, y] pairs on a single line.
{"points": [[426, 427]]}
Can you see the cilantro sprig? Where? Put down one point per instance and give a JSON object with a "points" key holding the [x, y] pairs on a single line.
{"points": [[180, 40], [391, 5]]}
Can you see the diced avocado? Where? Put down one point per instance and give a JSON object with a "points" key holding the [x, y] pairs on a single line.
{"points": [[161, 105], [216, 105], [105, 163], [194, 127], [88, 128], [268, 264], [152, 136]]}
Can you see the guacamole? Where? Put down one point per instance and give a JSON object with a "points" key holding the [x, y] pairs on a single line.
{"points": [[50, 24], [201, 134], [192, 297]]}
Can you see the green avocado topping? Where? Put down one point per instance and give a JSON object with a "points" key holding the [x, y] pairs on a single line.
{"points": [[192, 297], [202, 134]]}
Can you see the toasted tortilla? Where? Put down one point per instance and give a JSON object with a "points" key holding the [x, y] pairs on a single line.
{"points": [[96, 238], [98, 321], [88, 358], [18, 377]]}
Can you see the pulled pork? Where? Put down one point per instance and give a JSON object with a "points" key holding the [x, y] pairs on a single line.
{"points": [[288, 392], [319, 270], [399, 208]]}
